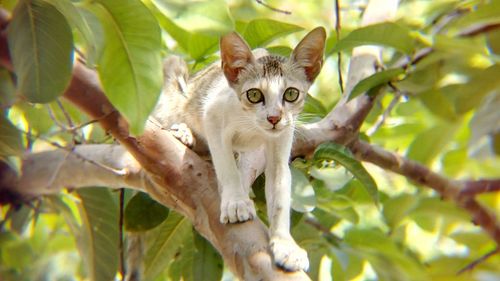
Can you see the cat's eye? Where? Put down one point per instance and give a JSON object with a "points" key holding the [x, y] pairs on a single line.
{"points": [[255, 95], [291, 94]]}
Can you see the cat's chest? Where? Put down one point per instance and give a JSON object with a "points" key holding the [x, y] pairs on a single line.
{"points": [[247, 140]]}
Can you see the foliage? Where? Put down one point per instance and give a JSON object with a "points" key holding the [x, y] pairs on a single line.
{"points": [[441, 81]]}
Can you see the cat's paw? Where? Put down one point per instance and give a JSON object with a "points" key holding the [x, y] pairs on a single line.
{"points": [[288, 255], [182, 132], [233, 211]]}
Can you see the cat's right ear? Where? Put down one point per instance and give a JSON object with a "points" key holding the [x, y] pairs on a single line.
{"points": [[235, 55]]}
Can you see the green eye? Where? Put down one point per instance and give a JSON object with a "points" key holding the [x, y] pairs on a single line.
{"points": [[291, 94], [255, 95]]}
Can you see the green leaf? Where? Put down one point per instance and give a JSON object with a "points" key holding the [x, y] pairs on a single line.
{"points": [[260, 32], [166, 241], [485, 13], [99, 214], [130, 67], [78, 21], [197, 45], [334, 178], [333, 151], [209, 17], [303, 198], [143, 213], [7, 89], [428, 144], [467, 96], [437, 103], [397, 208], [283, 51], [40, 45], [181, 267], [384, 34], [10, 138], [207, 263], [377, 79]]}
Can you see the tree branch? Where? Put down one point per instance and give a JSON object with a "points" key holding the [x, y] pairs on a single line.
{"points": [[420, 174]]}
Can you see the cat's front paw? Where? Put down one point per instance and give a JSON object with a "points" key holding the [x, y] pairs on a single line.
{"points": [[182, 132], [288, 255], [233, 211]]}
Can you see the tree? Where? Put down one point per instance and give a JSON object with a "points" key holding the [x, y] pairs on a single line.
{"points": [[422, 118]]}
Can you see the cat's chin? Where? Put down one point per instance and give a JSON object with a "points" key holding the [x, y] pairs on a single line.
{"points": [[274, 132]]}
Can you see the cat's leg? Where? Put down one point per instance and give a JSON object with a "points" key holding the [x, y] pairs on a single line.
{"points": [[287, 254], [251, 164], [236, 205]]}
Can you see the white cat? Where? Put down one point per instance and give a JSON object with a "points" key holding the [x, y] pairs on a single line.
{"points": [[247, 104]]}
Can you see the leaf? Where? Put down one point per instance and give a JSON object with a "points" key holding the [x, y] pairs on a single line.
{"points": [[283, 51], [334, 178], [429, 143], [77, 21], [143, 213], [130, 67], [397, 208], [10, 138], [197, 45], [7, 89], [303, 198], [167, 239], [40, 45], [333, 151], [485, 13], [383, 34], [182, 265], [260, 32], [209, 17], [437, 103], [207, 263], [99, 214], [377, 79]]}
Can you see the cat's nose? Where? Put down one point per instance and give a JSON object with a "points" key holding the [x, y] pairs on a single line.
{"points": [[273, 119]]}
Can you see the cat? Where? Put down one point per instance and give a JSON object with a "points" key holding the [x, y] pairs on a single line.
{"points": [[248, 102]]}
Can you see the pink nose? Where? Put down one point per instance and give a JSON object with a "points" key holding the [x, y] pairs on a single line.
{"points": [[273, 119]]}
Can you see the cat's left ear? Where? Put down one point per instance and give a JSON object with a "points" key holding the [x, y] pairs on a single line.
{"points": [[309, 52], [235, 55]]}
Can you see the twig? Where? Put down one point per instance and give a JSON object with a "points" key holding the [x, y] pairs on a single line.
{"points": [[476, 262], [472, 188], [339, 54], [117, 172], [381, 119], [273, 8]]}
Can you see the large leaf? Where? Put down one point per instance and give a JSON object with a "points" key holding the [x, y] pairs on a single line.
{"points": [[7, 89], [40, 45], [260, 32], [428, 144], [130, 65], [212, 17], [198, 45], [383, 34], [375, 80], [143, 213], [167, 240], [77, 20], [207, 263], [387, 259], [99, 214], [303, 198], [333, 151], [10, 138]]}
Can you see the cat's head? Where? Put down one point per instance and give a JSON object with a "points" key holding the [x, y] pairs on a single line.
{"points": [[272, 89]]}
